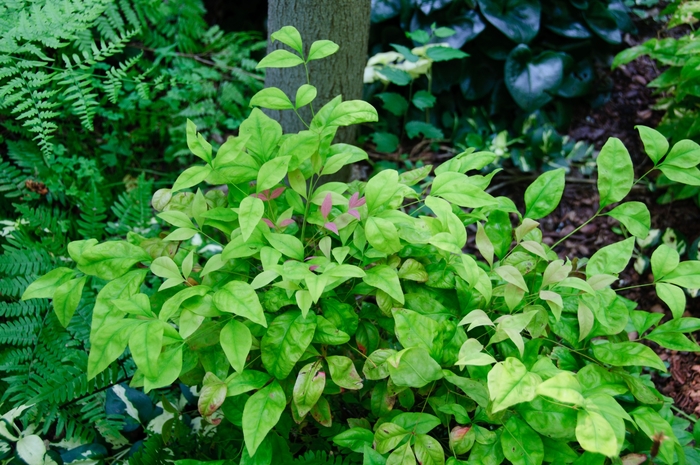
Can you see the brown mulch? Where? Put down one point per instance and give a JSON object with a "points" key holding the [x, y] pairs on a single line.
{"points": [[628, 105]]}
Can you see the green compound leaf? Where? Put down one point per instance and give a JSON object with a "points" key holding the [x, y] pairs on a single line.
{"points": [[684, 154], [510, 383], [382, 235], [611, 259], [402, 456], [388, 436], [343, 372], [461, 189], [271, 173], [415, 330], [635, 216], [263, 134], [66, 299], [321, 49], [622, 354], [240, 298], [145, 344], [261, 413], [272, 98], [111, 260], [387, 279], [615, 172], [305, 95], [444, 54], [250, 212], [418, 423], [191, 177], [355, 439], [521, 444], [289, 35], [673, 296], [197, 144], [563, 387], [544, 194], [44, 287], [285, 342], [248, 380], [423, 100], [107, 344], [428, 450], [417, 128], [309, 387], [664, 260], [686, 274], [280, 59], [655, 144], [352, 112], [595, 434], [236, 341], [413, 367]]}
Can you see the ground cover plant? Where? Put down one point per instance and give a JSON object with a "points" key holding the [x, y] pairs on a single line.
{"points": [[677, 87], [523, 57], [94, 98], [344, 323]]}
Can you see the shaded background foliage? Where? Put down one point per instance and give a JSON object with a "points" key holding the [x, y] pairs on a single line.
{"points": [[122, 135]]}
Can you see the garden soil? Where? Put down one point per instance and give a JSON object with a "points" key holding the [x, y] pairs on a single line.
{"points": [[628, 104]]}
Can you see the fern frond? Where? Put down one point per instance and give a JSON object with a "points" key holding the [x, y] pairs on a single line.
{"points": [[13, 309], [92, 214], [11, 180], [321, 458], [133, 209], [30, 263], [19, 332], [153, 451]]}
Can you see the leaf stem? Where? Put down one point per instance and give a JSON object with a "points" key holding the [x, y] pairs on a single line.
{"points": [[577, 229]]}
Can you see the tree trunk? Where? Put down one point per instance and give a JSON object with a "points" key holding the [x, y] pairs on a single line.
{"points": [[345, 22]]}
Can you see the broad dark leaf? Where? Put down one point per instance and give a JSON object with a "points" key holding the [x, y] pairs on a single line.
{"points": [[385, 9], [479, 80], [532, 81], [603, 22], [519, 20], [578, 78], [467, 26], [559, 19]]}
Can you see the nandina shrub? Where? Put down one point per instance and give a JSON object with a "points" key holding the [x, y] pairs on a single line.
{"points": [[351, 312]]}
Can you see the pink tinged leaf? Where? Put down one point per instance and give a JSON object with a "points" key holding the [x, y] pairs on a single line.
{"points": [[355, 201], [310, 258], [264, 195], [355, 213], [326, 205], [458, 432], [332, 227], [269, 223], [286, 222], [277, 192], [313, 267]]}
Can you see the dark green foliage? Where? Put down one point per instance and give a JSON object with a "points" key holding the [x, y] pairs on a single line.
{"points": [[94, 95], [678, 88], [524, 57]]}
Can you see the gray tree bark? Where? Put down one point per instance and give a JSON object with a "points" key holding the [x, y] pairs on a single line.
{"points": [[345, 22]]}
